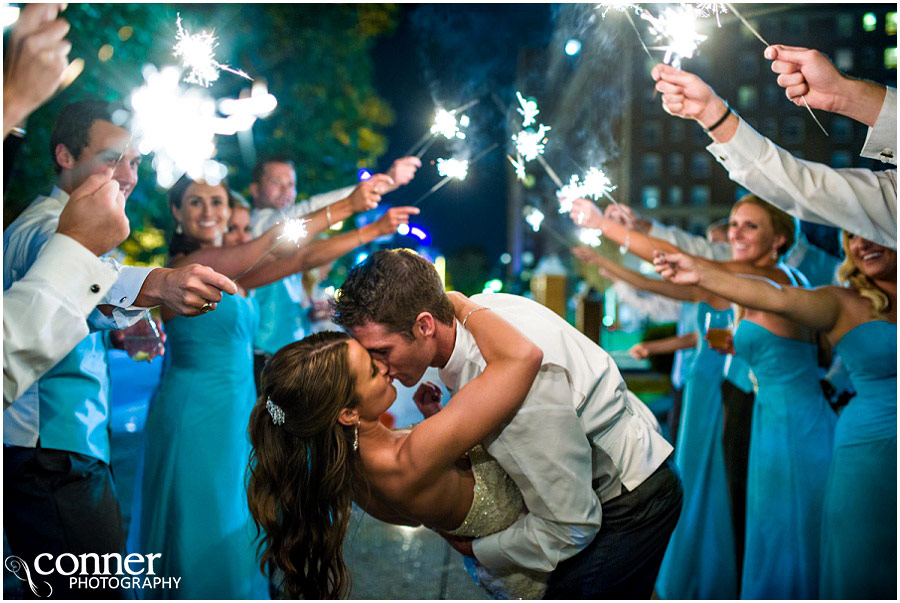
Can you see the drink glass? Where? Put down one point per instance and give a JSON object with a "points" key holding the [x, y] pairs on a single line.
{"points": [[142, 340], [719, 330]]}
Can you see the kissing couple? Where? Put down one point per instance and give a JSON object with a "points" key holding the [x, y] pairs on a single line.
{"points": [[542, 467]]}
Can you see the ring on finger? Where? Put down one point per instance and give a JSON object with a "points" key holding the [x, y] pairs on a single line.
{"points": [[206, 308]]}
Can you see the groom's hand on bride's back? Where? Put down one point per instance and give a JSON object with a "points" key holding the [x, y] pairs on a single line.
{"points": [[428, 399], [460, 544]]}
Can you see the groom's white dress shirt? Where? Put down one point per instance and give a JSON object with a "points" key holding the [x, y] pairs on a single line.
{"points": [[579, 437]]}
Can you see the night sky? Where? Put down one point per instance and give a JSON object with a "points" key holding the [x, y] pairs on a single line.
{"points": [[448, 55]]}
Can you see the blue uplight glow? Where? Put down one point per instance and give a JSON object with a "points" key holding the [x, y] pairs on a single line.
{"points": [[573, 47], [363, 174]]}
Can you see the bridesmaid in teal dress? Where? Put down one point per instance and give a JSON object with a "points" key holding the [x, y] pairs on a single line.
{"points": [[789, 459], [191, 504], [859, 526]]}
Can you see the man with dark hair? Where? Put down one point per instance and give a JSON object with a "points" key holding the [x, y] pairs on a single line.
{"points": [[274, 191], [59, 492], [587, 455]]}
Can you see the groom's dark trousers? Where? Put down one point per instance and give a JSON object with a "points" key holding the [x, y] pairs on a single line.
{"points": [[624, 558]]}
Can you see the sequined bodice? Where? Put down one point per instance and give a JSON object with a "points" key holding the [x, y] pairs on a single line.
{"points": [[497, 501], [496, 504]]}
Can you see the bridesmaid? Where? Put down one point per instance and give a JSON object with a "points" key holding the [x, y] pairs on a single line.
{"points": [[192, 506], [793, 426], [700, 560], [859, 530]]}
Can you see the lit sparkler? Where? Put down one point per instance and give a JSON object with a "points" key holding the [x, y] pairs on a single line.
{"points": [[292, 231], [676, 27], [453, 168], [706, 9], [621, 7], [446, 124], [528, 109], [453, 172], [590, 237], [519, 164], [534, 217], [197, 55], [596, 184], [529, 143]]}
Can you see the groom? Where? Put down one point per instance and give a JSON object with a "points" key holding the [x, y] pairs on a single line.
{"points": [[587, 455]]}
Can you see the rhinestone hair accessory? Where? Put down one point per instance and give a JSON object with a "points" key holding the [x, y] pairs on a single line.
{"points": [[275, 411]]}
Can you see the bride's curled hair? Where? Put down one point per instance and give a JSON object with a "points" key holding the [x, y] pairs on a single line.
{"points": [[302, 471]]}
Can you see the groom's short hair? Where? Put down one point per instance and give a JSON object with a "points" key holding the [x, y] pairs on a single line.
{"points": [[391, 288]]}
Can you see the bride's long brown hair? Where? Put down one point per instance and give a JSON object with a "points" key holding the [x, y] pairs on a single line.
{"points": [[302, 472]]}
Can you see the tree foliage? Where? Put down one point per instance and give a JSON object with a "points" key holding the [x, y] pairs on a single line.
{"points": [[314, 58]]}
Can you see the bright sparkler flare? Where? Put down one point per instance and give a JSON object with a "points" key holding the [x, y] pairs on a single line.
{"points": [[519, 164], [534, 217], [677, 27], [621, 7], [529, 109], [196, 52], [448, 125], [453, 168], [178, 125], [293, 230], [596, 184], [706, 9], [590, 237], [530, 144]]}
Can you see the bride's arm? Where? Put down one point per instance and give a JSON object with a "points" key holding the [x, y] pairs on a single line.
{"points": [[484, 403]]}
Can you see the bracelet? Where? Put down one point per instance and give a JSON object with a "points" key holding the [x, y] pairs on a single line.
{"points": [[466, 317], [328, 215], [721, 120], [623, 249]]}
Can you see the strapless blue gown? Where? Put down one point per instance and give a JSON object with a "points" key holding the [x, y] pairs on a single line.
{"points": [[191, 504], [699, 562], [790, 453], [859, 531]]}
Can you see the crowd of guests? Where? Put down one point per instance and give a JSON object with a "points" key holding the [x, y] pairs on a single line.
{"points": [[783, 497]]}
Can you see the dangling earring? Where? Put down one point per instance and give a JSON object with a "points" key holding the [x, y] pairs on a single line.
{"points": [[356, 437], [178, 228]]}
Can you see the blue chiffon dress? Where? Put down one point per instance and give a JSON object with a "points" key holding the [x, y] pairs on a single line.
{"points": [[191, 504], [700, 560], [859, 531], [790, 452]]}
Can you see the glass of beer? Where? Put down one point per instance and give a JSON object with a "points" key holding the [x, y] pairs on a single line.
{"points": [[719, 328]]}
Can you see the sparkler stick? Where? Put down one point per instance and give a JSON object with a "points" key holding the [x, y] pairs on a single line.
{"points": [[421, 141], [441, 183], [761, 39], [294, 230], [550, 171], [425, 148], [471, 103], [638, 34], [119, 160]]}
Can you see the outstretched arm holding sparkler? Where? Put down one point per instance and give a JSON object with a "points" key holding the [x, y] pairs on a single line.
{"points": [[320, 251], [857, 199], [366, 196]]}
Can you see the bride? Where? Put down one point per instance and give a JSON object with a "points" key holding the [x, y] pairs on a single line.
{"points": [[318, 445]]}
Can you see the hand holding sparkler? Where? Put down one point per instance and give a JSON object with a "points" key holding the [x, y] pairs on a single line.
{"points": [[403, 171], [585, 213], [808, 75], [393, 218], [291, 231], [685, 95], [367, 194], [627, 218]]}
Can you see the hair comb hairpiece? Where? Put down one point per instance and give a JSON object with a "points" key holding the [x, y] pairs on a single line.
{"points": [[275, 411]]}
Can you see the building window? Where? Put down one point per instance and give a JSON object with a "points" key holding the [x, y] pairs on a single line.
{"points": [[794, 130], [841, 129], [651, 132], [700, 195], [650, 197], [843, 59], [841, 159], [676, 130], [890, 24], [890, 58], [676, 164], [748, 64], [675, 195], [700, 167], [845, 24], [748, 97], [869, 22], [769, 127], [651, 166]]}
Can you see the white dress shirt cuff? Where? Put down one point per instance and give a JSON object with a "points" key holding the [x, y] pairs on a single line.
{"points": [[121, 296], [73, 271], [881, 140], [745, 148]]}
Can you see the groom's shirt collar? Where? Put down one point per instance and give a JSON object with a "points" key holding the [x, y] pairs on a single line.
{"points": [[451, 372]]}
